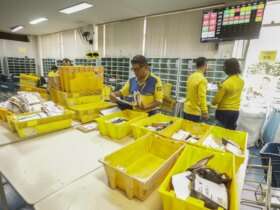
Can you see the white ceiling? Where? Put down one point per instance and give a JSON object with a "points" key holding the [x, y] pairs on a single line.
{"points": [[20, 12]]}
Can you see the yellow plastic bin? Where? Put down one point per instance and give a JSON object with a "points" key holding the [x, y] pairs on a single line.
{"points": [[196, 129], [28, 80], [83, 100], [4, 114], [222, 163], [119, 131], [139, 128], [140, 167], [37, 127], [89, 112], [238, 137]]}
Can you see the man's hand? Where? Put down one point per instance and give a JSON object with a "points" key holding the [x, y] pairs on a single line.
{"points": [[205, 116], [141, 107], [113, 97]]}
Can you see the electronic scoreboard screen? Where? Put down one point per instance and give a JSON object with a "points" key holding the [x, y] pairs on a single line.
{"points": [[242, 21]]}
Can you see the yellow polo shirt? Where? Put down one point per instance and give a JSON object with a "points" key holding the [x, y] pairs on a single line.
{"points": [[228, 96], [196, 101], [150, 90]]}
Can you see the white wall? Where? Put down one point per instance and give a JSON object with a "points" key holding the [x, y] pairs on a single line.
{"points": [[10, 48], [173, 35], [125, 38], [65, 44]]}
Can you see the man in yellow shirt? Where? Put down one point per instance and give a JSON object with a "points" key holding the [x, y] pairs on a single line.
{"points": [[195, 106], [145, 89], [229, 95]]}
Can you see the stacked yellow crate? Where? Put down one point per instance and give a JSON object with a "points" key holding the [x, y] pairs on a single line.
{"points": [[80, 89], [28, 82]]}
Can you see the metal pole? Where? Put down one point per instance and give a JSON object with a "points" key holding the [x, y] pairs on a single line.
{"points": [[269, 177], [2, 195]]}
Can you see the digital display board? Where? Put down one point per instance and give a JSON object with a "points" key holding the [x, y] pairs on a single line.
{"points": [[242, 21]]}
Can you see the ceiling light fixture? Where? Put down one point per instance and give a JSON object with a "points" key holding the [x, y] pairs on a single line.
{"points": [[16, 28], [76, 8], [38, 20]]}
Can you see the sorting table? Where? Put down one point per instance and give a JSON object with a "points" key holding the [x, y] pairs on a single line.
{"points": [[39, 167], [60, 171]]}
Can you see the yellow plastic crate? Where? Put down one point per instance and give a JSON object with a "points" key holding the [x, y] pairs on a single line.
{"points": [[81, 78], [4, 114], [239, 137], [89, 112], [72, 99], [140, 167], [53, 95], [83, 100], [37, 127], [28, 80], [106, 92], [222, 163], [168, 104], [197, 129], [119, 131], [139, 129]]}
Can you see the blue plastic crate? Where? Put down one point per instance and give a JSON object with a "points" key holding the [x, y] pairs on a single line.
{"points": [[272, 151]]}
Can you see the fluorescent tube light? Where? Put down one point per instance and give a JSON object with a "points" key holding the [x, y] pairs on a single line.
{"points": [[16, 28], [76, 8], [38, 20]]}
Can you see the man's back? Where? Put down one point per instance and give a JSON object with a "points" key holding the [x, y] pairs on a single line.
{"points": [[196, 94]]}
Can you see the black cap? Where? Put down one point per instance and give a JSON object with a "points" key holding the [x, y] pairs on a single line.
{"points": [[139, 59]]}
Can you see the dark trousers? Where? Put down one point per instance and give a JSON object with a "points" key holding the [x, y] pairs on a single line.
{"points": [[194, 118], [227, 119]]}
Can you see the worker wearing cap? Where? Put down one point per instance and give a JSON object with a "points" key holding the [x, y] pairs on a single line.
{"points": [[145, 86], [195, 106]]}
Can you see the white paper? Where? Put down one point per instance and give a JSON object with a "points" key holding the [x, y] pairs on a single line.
{"points": [[215, 192], [113, 120], [212, 142], [124, 101], [110, 111], [275, 196], [180, 135], [212, 87], [182, 185], [233, 149], [192, 140], [151, 128], [90, 126]]}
